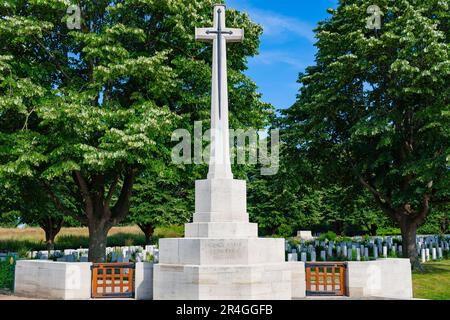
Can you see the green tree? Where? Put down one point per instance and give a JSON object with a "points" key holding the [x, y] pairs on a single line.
{"points": [[91, 109], [162, 199], [373, 111], [25, 201]]}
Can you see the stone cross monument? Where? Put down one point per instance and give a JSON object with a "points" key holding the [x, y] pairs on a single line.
{"points": [[221, 256], [219, 35]]}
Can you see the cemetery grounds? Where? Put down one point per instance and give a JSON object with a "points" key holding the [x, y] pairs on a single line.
{"points": [[433, 283]]}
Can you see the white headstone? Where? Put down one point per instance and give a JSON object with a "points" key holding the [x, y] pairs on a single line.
{"points": [[305, 235], [292, 257], [303, 256], [349, 254]]}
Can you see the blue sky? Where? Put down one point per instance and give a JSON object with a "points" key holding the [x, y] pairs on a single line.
{"points": [[287, 44]]}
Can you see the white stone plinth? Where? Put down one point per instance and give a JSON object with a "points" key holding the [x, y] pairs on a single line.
{"points": [[143, 281], [298, 279], [387, 278], [44, 279], [221, 256], [222, 268], [211, 251], [221, 229], [222, 282], [220, 200]]}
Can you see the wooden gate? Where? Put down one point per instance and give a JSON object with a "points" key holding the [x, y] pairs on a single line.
{"points": [[112, 280], [326, 278]]}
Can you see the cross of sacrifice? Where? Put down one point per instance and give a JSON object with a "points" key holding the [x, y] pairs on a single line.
{"points": [[219, 35]]}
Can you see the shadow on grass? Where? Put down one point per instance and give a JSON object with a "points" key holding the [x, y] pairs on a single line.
{"points": [[435, 267]]}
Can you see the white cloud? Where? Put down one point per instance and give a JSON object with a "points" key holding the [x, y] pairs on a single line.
{"points": [[268, 57], [276, 25]]}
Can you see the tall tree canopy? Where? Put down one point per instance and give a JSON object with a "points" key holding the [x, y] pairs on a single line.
{"points": [[91, 109], [374, 110]]}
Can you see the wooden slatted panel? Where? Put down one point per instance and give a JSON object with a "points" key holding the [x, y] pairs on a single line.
{"points": [[116, 280], [333, 279], [341, 281], [325, 278], [308, 278], [317, 278]]}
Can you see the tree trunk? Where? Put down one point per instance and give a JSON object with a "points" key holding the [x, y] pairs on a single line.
{"points": [[373, 229], [444, 224], [147, 229], [98, 234], [408, 228], [50, 240], [338, 227], [98, 213], [51, 227]]}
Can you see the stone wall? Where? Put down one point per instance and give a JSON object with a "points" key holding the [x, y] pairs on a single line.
{"points": [[387, 278], [43, 279], [143, 281], [298, 281]]}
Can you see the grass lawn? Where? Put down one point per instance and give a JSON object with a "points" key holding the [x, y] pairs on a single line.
{"points": [[434, 282]]}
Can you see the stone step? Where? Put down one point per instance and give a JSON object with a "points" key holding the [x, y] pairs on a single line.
{"points": [[213, 251], [221, 230]]}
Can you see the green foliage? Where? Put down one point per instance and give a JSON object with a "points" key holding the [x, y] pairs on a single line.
{"points": [[389, 231], [86, 113], [173, 231], [163, 199], [372, 112], [330, 236], [7, 274]]}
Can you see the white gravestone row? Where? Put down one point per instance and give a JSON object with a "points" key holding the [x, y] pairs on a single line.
{"points": [[114, 254], [358, 249]]}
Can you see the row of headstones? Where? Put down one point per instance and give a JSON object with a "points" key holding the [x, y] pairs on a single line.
{"points": [[125, 254], [342, 252], [436, 253], [114, 254], [430, 242], [358, 251], [68, 255]]}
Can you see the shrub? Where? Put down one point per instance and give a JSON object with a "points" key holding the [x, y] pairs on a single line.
{"points": [[173, 231], [330, 236], [389, 231], [6, 274]]}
